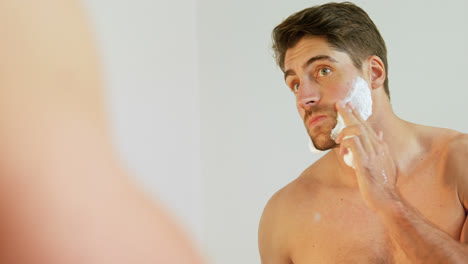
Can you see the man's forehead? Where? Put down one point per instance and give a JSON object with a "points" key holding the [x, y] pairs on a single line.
{"points": [[306, 47], [313, 49]]}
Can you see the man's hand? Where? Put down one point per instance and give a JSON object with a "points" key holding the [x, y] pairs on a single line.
{"points": [[376, 173], [375, 169]]}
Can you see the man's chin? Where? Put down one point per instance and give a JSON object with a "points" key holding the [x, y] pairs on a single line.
{"points": [[320, 137], [324, 144]]}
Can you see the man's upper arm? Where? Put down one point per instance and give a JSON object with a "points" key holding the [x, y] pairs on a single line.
{"points": [[457, 164], [271, 232]]}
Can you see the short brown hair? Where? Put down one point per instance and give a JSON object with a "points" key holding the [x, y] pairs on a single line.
{"points": [[346, 26]]}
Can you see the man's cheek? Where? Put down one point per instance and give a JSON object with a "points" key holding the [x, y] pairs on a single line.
{"points": [[301, 111], [302, 114], [340, 92]]}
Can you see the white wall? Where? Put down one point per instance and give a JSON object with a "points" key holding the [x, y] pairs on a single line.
{"points": [[148, 50], [253, 141]]}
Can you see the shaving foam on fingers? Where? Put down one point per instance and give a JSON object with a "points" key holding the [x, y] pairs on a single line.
{"points": [[348, 158]]}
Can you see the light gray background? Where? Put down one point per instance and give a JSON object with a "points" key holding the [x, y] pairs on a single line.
{"points": [[148, 51], [203, 118]]}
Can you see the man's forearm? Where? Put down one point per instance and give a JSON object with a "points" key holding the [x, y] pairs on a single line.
{"points": [[419, 239]]}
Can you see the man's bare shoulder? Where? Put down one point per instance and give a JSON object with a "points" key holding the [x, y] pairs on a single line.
{"points": [[455, 152], [458, 144], [304, 184], [440, 141], [278, 216], [456, 164], [433, 137], [449, 146], [280, 203], [273, 228]]}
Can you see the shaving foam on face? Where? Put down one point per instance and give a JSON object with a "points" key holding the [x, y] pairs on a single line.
{"points": [[360, 97]]}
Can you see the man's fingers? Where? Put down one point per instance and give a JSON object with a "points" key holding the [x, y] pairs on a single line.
{"points": [[352, 117], [359, 131], [348, 131], [347, 113]]}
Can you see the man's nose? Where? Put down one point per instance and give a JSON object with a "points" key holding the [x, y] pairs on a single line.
{"points": [[308, 95]]}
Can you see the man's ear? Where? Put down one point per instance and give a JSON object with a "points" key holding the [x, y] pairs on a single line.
{"points": [[377, 72]]}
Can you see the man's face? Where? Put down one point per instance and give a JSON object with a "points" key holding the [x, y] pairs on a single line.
{"points": [[319, 76]]}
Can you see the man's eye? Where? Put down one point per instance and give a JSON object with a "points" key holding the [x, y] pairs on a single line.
{"points": [[296, 87], [324, 72]]}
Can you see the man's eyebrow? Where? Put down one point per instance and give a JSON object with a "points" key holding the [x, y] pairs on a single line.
{"points": [[310, 61]]}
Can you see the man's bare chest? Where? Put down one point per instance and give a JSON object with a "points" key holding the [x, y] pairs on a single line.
{"points": [[335, 225]]}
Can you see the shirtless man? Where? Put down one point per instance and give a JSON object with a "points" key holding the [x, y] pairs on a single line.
{"points": [[407, 198]]}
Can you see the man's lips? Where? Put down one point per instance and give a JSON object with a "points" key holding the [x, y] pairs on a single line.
{"points": [[316, 119]]}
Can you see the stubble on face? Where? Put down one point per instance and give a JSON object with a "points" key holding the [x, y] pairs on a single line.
{"points": [[320, 133]]}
